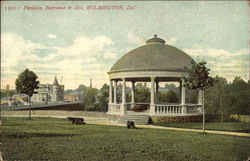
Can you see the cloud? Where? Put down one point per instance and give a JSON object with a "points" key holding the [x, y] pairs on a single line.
{"points": [[15, 50], [86, 58], [223, 63], [83, 47], [77, 62], [52, 36], [171, 40], [110, 56], [199, 51], [135, 39]]}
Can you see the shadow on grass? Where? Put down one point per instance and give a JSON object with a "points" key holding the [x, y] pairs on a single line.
{"points": [[30, 135], [215, 126], [244, 131]]}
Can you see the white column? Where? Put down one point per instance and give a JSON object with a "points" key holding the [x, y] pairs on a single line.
{"points": [[123, 106], [133, 93], [115, 92], [183, 97], [152, 98], [110, 91], [180, 91], [123, 91]]}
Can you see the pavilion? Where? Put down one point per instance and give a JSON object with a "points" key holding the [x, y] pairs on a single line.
{"points": [[153, 62]]}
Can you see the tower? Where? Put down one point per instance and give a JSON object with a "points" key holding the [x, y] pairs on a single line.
{"points": [[55, 90]]}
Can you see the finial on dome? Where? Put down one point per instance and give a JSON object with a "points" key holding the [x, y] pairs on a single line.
{"points": [[155, 40]]}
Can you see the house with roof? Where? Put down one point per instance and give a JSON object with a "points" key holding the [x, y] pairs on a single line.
{"points": [[73, 96], [49, 93]]}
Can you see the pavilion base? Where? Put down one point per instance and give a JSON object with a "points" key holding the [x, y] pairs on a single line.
{"points": [[149, 114], [137, 119], [142, 119]]}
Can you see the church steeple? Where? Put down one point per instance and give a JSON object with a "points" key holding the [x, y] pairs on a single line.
{"points": [[55, 81]]}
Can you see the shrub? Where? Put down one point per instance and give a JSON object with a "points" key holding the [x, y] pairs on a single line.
{"points": [[188, 119], [139, 108]]}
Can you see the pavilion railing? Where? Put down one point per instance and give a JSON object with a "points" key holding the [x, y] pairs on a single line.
{"points": [[194, 108], [177, 109], [168, 109], [114, 107], [162, 109]]}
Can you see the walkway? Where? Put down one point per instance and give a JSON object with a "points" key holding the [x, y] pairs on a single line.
{"points": [[106, 122]]}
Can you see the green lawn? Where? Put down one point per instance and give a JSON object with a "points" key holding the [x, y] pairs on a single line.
{"points": [[58, 140], [225, 126]]}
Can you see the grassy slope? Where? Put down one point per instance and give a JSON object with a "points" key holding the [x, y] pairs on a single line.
{"points": [[227, 126], [57, 139]]}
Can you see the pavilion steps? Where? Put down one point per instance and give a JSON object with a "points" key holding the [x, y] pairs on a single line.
{"points": [[138, 119]]}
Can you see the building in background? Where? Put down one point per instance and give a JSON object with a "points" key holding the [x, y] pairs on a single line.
{"points": [[74, 96], [21, 99], [49, 93], [17, 99]]}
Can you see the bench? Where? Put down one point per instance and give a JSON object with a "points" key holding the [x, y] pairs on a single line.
{"points": [[131, 125], [76, 120]]}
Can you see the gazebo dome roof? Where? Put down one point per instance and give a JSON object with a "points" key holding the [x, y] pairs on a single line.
{"points": [[154, 56]]}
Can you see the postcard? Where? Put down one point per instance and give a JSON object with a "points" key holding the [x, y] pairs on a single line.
{"points": [[125, 80]]}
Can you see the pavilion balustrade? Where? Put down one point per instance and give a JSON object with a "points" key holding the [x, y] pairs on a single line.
{"points": [[114, 107], [194, 109], [168, 109], [160, 109]]}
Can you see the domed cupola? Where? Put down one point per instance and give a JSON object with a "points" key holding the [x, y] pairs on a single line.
{"points": [[154, 55]]}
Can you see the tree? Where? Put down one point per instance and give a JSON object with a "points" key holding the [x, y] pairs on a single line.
{"points": [[169, 97], [219, 98], [198, 79], [142, 93], [240, 91], [103, 98], [90, 98], [119, 93], [27, 83], [172, 87], [81, 88], [191, 96]]}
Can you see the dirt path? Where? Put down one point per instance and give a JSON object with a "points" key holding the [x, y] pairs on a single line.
{"points": [[106, 122]]}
